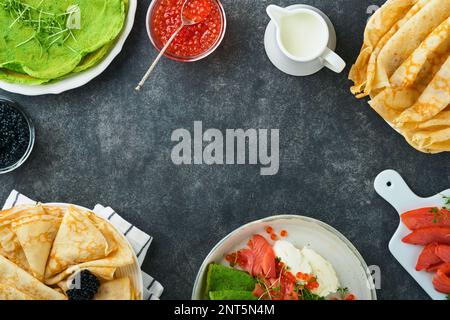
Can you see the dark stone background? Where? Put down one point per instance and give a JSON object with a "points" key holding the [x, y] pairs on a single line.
{"points": [[104, 143]]}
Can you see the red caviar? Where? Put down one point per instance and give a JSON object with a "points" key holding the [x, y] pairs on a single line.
{"points": [[312, 285], [303, 276], [192, 40], [197, 10], [274, 237], [269, 230], [284, 233]]}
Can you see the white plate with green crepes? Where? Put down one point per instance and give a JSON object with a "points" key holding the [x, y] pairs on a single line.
{"points": [[52, 46]]}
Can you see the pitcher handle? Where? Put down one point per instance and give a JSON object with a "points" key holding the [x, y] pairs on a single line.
{"points": [[332, 61]]}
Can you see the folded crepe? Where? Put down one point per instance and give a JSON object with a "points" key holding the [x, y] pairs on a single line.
{"points": [[11, 293], [78, 240], [36, 235], [119, 289], [85, 241], [9, 243], [404, 66], [15, 283], [26, 236]]}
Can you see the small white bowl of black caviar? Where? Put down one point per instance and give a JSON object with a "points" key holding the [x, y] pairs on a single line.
{"points": [[17, 135]]}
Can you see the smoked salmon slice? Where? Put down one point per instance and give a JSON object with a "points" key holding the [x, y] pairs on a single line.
{"points": [[259, 259], [441, 280], [426, 217], [428, 258], [426, 236], [435, 267], [443, 252]]}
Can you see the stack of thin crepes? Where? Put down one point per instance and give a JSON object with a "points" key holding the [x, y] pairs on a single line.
{"points": [[404, 66], [43, 247]]}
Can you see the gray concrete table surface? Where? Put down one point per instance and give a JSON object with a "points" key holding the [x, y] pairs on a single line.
{"points": [[105, 143]]}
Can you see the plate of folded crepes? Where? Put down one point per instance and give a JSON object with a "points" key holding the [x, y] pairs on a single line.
{"points": [[404, 67], [59, 251]]}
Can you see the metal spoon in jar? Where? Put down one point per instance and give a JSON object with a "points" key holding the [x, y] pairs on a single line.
{"points": [[185, 21]]}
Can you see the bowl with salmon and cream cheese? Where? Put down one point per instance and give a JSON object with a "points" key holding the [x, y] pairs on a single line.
{"points": [[284, 257]]}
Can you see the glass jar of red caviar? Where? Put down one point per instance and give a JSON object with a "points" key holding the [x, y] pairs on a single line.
{"points": [[194, 42]]}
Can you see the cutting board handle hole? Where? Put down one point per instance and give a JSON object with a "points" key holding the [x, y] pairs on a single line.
{"points": [[389, 184]]}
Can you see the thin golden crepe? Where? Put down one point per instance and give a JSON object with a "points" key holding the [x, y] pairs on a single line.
{"points": [[404, 66], [26, 236], [118, 289], [85, 241], [19, 284], [78, 240], [11, 293], [35, 235]]}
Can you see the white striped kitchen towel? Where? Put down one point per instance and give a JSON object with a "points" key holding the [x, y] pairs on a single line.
{"points": [[139, 240]]}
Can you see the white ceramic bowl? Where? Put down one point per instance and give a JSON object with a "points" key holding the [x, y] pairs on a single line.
{"points": [[132, 271], [350, 267], [79, 79]]}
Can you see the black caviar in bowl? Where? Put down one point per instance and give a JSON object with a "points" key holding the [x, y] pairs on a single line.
{"points": [[16, 136]]}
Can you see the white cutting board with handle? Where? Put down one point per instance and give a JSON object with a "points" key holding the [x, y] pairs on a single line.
{"points": [[391, 186]]}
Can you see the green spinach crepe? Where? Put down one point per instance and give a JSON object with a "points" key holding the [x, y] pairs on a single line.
{"points": [[224, 283], [37, 44]]}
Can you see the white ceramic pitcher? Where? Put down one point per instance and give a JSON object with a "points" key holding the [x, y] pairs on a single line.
{"points": [[312, 39]]}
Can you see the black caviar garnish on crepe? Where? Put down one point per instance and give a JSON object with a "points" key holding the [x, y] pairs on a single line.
{"points": [[88, 285], [14, 135]]}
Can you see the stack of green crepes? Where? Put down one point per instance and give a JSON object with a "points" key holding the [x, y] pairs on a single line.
{"points": [[43, 41]]}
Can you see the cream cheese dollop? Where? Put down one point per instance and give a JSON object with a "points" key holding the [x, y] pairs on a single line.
{"points": [[310, 262]]}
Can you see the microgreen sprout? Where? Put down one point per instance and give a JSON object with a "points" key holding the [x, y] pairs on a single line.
{"points": [[343, 292], [48, 27], [447, 202]]}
